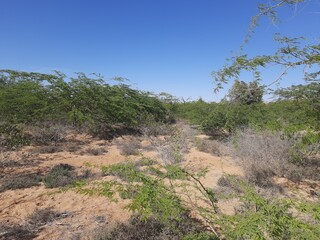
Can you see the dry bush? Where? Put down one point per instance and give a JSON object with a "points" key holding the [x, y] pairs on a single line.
{"points": [[263, 155], [156, 129], [8, 163], [208, 146], [48, 134], [47, 149], [173, 149], [151, 229], [41, 217], [15, 232], [129, 147], [20, 181], [60, 175], [72, 147], [95, 151]]}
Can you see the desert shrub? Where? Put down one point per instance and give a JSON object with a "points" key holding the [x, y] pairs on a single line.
{"points": [[13, 135], [152, 229], [95, 151], [224, 181], [8, 163], [72, 147], [154, 129], [48, 134], [172, 150], [15, 231], [59, 176], [129, 147], [41, 217], [145, 161], [20, 181], [170, 154], [263, 155], [208, 146], [47, 149]]}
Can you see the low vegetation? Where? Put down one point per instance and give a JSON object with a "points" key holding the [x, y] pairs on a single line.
{"points": [[153, 229], [20, 181], [62, 175], [272, 140]]}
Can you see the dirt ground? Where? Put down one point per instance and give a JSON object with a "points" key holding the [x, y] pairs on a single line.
{"points": [[83, 213]]}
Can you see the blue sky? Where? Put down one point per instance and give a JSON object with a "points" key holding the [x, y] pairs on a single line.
{"points": [[160, 45]]}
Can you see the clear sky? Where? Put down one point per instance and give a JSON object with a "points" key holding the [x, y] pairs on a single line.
{"points": [[159, 45]]}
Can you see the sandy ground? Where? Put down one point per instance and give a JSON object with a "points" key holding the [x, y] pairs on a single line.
{"points": [[86, 213]]}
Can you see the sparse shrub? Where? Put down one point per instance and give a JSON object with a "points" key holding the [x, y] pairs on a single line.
{"points": [[295, 175], [145, 161], [130, 147], [152, 229], [126, 171], [172, 150], [72, 148], [9, 164], [155, 129], [20, 181], [96, 151], [48, 134], [262, 218], [224, 182], [47, 149], [13, 135], [41, 217], [16, 232], [263, 155], [59, 176], [208, 146]]}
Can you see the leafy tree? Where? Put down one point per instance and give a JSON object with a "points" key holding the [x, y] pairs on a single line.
{"points": [[304, 96], [245, 93], [80, 100]]}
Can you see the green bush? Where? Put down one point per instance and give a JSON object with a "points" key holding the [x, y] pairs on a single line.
{"points": [[262, 218]]}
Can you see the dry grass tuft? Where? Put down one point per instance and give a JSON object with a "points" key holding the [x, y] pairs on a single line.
{"points": [[263, 155], [129, 147]]}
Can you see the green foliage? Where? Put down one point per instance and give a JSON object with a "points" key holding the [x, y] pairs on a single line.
{"points": [[13, 135], [146, 161], [305, 97], [245, 93], [174, 172], [155, 199], [230, 117], [194, 111], [126, 171], [265, 219], [81, 101]]}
